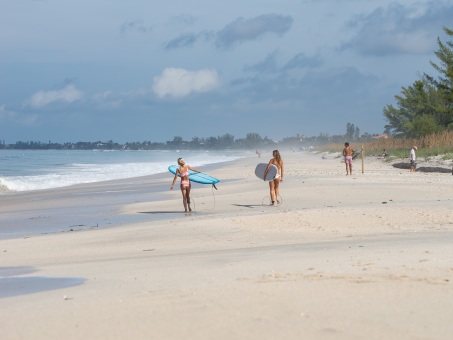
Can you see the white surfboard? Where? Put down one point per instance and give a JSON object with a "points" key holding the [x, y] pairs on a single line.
{"points": [[261, 168]]}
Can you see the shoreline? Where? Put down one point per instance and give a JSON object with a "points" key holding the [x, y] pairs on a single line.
{"points": [[343, 256], [146, 190], [35, 212]]}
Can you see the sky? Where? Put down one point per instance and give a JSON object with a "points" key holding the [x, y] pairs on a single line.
{"points": [[140, 70]]}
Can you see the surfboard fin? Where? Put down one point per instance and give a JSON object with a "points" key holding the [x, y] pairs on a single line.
{"points": [[214, 186]]}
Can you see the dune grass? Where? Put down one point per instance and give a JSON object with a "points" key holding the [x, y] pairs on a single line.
{"points": [[440, 144]]}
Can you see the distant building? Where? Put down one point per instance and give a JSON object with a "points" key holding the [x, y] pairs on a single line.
{"points": [[383, 136]]}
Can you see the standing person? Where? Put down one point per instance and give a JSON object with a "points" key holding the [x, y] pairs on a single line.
{"points": [[413, 158], [183, 171], [347, 153], [274, 184]]}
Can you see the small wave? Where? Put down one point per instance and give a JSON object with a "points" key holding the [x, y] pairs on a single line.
{"points": [[3, 187], [61, 174]]}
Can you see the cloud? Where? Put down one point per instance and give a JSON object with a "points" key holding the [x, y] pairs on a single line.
{"points": [[400, 29], [68, 94], [242, 30], [302, 61], [107, 100], [238, 31], [178, 82], [187, 40], [342, 85], [270, 65], [5, 114], [136, 25]]}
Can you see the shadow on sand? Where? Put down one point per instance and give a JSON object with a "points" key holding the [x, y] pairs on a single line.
{"points": [[13, 285], [161, 212], [423, 168]]}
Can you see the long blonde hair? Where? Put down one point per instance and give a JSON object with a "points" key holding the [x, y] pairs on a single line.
{"points": [[277, 156]]}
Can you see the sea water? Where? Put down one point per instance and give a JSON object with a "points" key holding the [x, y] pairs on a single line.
{"points": [[27, 170]]}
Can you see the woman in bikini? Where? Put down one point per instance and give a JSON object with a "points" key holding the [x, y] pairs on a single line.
{"points": [[183, 171], [274, 185]]}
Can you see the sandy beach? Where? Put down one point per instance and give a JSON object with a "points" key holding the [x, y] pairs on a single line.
{"points": [[367, 256]]}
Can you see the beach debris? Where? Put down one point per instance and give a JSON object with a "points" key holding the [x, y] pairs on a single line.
{"points": [[149, 249]]}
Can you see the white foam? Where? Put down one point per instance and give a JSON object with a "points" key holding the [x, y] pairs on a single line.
{"points": [[78, 173]]}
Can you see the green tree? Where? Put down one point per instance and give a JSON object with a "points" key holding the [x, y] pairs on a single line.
{"points": [[423, 125], [253, 140], [428, 101], [420, 99], [350, 130], [356, 133], [226, 141], [444, 83]]}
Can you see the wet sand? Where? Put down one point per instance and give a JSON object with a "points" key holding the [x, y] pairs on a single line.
{"points": [[344, 257]]}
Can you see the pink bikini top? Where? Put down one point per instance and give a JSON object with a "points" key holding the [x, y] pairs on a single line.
{"points": [[184, 174]]}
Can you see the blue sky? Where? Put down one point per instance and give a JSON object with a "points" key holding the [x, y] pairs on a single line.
{"points": [[143, 70]]}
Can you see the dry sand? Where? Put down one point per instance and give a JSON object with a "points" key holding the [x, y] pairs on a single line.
{"points": [[368, 256]]}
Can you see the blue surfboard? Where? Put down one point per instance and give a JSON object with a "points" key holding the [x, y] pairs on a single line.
{"points": [[197, 177]]}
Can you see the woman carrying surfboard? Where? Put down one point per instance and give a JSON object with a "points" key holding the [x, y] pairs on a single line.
{"points": [[183, 172], [274, 185]]}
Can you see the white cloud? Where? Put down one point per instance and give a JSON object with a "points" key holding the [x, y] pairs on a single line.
{"points": [[178, 82], [67, 94]]}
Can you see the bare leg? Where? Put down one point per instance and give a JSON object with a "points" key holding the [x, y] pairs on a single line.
{"points": [[184, 197], [272, 190], [346, 168], [277, 192], [188, 196], [350, 168]]}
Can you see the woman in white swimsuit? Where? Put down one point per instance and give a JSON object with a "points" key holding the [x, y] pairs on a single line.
{"points": [[183, 171], [274, 185]]}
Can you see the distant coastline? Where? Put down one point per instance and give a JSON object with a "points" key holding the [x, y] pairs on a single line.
{"points": [[224, 142]]}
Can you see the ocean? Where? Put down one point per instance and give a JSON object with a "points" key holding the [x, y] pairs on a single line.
{"points": [[28, 170], [37, 193]]}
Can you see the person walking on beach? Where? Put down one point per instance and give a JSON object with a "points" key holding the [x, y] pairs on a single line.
{"points": [[274, 184], [183, 171], [347, 153], [413, 158]]}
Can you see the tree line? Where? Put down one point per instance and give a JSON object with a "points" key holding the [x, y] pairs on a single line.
{"points": [[227, 141], [425, 107]]}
